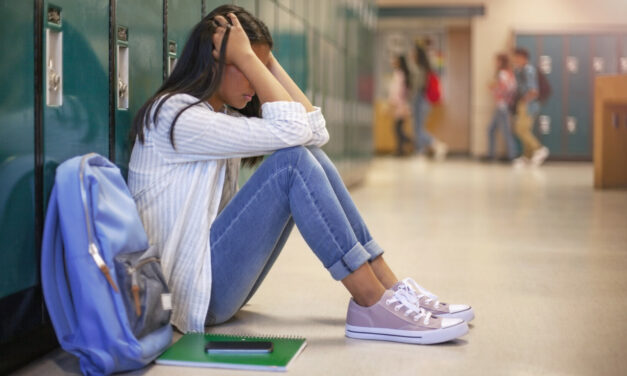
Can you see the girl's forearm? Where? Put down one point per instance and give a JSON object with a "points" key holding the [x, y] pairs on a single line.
{"points": [[286, 81], [267, 87]]}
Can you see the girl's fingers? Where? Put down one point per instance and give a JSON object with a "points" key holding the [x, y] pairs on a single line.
{"points": [[234, 20], [221, 21]]}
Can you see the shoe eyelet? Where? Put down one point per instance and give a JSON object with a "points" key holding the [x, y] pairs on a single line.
{"points": [[397, 308], [388, 302]]}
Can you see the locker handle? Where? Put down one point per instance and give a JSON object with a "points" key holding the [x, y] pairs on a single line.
{"points": [[54, 79], [615, 120], [123, 76], [54, 67]]}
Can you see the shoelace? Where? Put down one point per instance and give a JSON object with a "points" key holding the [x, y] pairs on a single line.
{"points": [[403, 299], [417, 292]]}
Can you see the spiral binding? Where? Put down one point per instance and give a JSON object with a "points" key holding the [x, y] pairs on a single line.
{"points": [[255, 337]]}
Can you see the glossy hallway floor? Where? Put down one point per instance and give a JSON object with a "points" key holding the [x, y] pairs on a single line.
{"points": [[540, 255]]}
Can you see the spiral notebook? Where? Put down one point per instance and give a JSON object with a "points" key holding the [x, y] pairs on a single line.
{"points": [[189, 350]]}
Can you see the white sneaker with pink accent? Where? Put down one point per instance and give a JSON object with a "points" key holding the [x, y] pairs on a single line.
{"points": [[429, 301]]}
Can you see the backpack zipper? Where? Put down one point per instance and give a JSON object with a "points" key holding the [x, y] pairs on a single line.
{"points": [[92, 248], [132, 270]]}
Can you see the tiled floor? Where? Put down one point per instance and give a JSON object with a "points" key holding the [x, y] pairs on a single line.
{"points": [[540, 255]]}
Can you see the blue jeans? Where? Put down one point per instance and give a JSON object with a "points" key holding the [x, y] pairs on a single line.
{"points": [[294, 185], [502, 118], [422, 138]]}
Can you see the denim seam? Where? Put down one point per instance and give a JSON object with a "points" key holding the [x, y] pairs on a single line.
{"points": [[265, 183], [329, 228]]}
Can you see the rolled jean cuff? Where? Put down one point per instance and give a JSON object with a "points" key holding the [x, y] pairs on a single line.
{"points": [[350, 262], [374, 249]]}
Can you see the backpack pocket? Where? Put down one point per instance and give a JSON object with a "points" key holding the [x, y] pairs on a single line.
{"points": [[144, 291]]}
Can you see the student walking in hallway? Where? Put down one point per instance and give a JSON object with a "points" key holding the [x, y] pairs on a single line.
{"points": [[503, 89], [527, 110]]}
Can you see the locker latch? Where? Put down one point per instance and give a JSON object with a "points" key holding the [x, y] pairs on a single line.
{"points": [[172, 56], [123, 68], [54, 57]]}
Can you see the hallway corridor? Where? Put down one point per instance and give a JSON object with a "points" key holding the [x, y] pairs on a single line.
{"points": [[539, 254]]}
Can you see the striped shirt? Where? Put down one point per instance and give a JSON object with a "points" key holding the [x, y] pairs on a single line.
{"points": [[178, 190]]}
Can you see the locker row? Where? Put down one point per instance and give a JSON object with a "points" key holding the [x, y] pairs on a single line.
{"points": [[570, 63], [76, 71]]}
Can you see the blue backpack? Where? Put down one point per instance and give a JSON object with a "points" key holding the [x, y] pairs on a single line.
{"points": [[106, 295]]}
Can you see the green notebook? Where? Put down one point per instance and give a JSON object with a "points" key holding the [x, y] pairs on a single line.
{"points": [[190, 351]]}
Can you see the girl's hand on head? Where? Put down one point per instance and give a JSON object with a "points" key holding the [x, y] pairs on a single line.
{"points": [[238, 45]]}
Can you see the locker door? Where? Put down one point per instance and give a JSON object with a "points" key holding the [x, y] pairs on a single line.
{"points": [[139, 66], [577, 123], [213, 4], [76, 82], [182, 16], [283, 40], [249, 5], [267, 14], [605, 54], [550, 62], [21, 311], [299, 53]]}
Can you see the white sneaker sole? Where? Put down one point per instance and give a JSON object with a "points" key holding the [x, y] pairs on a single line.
{"points": [[423, 337], [466, 315]]}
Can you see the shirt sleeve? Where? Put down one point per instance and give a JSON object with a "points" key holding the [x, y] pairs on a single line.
{"points": [[318, 125], [203, 134]]}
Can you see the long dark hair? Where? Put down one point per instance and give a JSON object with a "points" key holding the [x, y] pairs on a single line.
{"points": [[502, 62], [402, 65], [197, 74], [422, 59]]}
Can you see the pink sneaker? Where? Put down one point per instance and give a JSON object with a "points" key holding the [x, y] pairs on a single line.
{"points": [[395, 318], [427, 300]]}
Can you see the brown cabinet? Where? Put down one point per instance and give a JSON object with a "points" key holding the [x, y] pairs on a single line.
{"points": [[610, 132]]}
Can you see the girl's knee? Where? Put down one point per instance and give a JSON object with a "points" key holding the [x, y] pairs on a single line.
{"points": [[295, 156]]}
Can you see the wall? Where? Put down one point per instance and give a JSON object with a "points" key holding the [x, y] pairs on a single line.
{"points": [[492, 33]]}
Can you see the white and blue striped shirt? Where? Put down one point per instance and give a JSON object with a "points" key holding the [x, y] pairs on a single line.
{"points": [[178, 190]]}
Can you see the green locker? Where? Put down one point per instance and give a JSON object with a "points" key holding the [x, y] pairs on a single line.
{"points": [[213, 4], [249, 5], [182, 16], [577, 124], [550, 61], [75, 83], [299, 53], [283, 45], [300, 8], [139, 66], [267, 13], [18, 270]]}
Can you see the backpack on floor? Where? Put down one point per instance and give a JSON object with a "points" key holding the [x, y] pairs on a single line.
{"points": [[106, 295]]}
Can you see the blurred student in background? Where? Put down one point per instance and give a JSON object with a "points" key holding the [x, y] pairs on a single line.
{"points": [[503, 88], [527, 110], [398, 100], [421, 106]]}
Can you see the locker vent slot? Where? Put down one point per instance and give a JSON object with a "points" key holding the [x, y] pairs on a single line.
{"points": [[54, 15]]}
